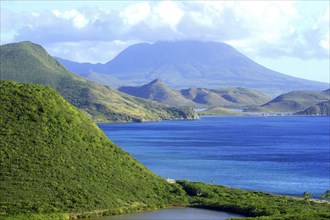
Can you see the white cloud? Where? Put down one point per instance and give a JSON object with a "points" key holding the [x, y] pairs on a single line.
{"points": [[169, 13], [78, 20], [134, 14], [258, 28]]}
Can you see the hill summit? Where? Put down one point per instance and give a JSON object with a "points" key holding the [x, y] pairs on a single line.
{"points": [[55, 159], [158, 91]]}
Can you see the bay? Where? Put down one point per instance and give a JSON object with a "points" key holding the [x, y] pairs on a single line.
{"points": [[284, 155]]}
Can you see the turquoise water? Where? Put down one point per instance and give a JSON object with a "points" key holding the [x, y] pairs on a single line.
{"points": [[177, 214], [285, 155]]}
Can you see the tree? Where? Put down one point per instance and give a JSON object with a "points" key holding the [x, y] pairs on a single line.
{"points": [[327, 195], [306, 196]]}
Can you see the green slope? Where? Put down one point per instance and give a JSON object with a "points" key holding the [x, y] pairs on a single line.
{"points": [[53, 158], [30, 63], [158, 91]]}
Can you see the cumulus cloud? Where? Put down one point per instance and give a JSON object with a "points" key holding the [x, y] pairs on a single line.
{"points": [[258, 28]]}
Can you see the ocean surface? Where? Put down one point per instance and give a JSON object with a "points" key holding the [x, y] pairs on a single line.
{"points": [[284, 155]]}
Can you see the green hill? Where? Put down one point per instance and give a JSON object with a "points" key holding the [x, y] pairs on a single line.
{"points": [[234, 97], [320, 109], [292, 102], [55, 159], [29, 63], [231, 97], [158, 91]]}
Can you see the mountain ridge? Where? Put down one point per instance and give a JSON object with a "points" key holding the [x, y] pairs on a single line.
{"points": [[184, 64], [159, 91]]}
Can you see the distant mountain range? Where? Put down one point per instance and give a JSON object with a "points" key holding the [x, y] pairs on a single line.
{"points": [[27, 62], [293, 101], [185, 64], [158, 91]]}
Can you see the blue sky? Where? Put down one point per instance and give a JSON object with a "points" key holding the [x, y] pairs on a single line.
{"points": [[291, 37]]}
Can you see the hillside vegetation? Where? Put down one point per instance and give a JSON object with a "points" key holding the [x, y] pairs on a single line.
{"points": [[55, 159], [29, 63]]}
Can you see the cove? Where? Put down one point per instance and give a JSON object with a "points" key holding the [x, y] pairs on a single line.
{"points": [[175, 213]]}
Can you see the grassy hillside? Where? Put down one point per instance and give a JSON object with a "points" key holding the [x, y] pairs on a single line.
{"points": [[30, 63], [293, 101], [55, 159], [320, 109]]}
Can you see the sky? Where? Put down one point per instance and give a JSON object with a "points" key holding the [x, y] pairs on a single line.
{"points": [[288, 36]]}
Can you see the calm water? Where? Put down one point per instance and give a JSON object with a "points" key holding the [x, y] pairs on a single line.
{"points": [[177, 214], [285, 155]]}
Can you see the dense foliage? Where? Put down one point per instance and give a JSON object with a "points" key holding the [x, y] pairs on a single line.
{"points": [[53, 158], [29, 63], [254, 204]]}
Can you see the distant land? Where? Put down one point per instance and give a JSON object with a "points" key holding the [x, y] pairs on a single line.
{"points": [[158, 91], [27, 62], [184, 64], [293, 102], [320, 109], [219, 111]]}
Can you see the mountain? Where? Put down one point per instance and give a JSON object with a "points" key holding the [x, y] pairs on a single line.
{"points": [[55, 159], [30, 63], [320, 109], [158, 91], [184, 64], [293, 101]]}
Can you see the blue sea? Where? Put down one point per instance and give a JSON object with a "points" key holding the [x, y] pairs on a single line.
{"points": [[284, 155]]}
